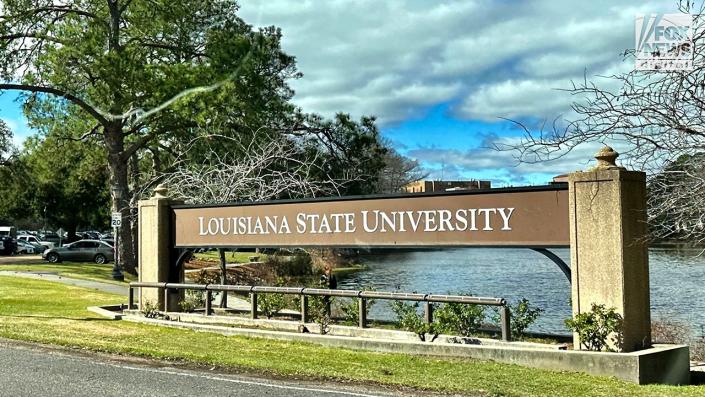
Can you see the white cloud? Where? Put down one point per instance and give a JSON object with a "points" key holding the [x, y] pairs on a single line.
{"points": [[494, 59], [20, 130], [504, 167]]}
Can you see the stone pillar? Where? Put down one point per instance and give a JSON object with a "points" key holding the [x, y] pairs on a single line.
{"points": [[608, 248], [155, 251]]}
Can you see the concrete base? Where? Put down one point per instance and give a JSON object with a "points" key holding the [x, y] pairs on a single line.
{"points": [[662, 364]]}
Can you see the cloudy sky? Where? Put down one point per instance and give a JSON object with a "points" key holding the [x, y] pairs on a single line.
{"points": [[441, 75]]}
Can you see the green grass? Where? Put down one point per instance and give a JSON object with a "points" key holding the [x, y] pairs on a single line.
{"points": [[84, 271], [342, 271], [237, 257], [53, 313]]}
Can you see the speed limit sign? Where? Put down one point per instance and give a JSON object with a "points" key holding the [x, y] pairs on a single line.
{"points": [[116, 220]]}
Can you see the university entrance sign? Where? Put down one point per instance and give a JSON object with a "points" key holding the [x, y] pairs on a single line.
{"points": [[600, 215], [519, 217]]}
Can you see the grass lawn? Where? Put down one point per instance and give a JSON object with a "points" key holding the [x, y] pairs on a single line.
{"points": [[233, 257], [53, 313], [82, 270]]}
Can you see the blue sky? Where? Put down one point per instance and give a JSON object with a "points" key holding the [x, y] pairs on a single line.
{"points": [[441, 76]]}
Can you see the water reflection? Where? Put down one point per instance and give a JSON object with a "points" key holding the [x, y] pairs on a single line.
{"points": [[677, 280]]}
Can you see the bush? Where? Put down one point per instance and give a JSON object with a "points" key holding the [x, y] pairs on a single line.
{"points": [[459, 319], [192, 301], [270, 304], [351, 310], [206, 277], [672, 331], [410, 320], [150, 310], [521, 316], [299, 264], [595, 327]]}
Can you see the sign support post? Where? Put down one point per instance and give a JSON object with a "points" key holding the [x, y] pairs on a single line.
{"points": [[608, 248], [116, 223]]}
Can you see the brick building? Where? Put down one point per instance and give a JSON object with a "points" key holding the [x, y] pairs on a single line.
{"points": [[442, 186]]}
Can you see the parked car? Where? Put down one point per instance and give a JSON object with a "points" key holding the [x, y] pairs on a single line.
{"points": [[51, 237], [81, 251], [106, 236], [33, 239], [89, 235], [25, 247], [8, 231]]}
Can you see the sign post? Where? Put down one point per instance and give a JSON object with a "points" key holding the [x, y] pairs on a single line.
{"points": [[116, 223]]}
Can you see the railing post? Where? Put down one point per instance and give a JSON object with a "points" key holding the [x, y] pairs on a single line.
{"points": [[304, 309], [362, 316], [131, 299], [166, 299], [253, 307], [428, 312], [326, 301], [209, 298], [505, 319]]}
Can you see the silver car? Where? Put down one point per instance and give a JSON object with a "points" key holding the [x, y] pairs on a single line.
{"points": [[81, 251]]}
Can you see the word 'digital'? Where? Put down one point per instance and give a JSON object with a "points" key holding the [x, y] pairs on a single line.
{"points": [[473, 219]]}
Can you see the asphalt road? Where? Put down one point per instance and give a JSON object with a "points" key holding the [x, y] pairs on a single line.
{"points": [[29, 370]]}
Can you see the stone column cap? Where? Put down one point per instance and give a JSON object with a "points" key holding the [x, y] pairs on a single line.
{"points": [[606, 159], [160, 191]]}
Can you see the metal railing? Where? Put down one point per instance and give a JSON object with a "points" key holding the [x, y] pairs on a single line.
{"points": [[362, 296]]}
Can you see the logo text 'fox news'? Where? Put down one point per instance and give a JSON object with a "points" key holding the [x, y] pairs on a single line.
{"points": [[664, 42]]}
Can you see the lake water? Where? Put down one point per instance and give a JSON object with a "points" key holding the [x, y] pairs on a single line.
{"points": [[677, 280]]}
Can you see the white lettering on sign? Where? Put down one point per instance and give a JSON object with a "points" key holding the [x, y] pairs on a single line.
{"points": [[376, 221]]}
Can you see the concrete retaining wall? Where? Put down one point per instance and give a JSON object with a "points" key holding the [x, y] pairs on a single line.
{"points": [[664, 364]]}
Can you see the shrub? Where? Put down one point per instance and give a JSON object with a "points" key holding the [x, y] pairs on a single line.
{"points": [[318, 308], [150, 309], [299, 264], [206, 277], [351, 310], [459, 319], [192, 301], [270, 304], [521, 316], [672, 331], [595, 327], [410, 320]]}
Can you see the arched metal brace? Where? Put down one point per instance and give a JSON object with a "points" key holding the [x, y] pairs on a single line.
{"points": [[178, 266], [556, 259]]}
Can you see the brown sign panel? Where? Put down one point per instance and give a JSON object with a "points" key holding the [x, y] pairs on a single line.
{"points": [[534, 217]]}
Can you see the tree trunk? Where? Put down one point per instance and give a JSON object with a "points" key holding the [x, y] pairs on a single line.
{"points": [[134, 204], [120, 195], [223, 276]]}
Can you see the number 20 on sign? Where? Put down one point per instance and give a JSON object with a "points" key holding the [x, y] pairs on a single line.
{"points": [[116, 220]]}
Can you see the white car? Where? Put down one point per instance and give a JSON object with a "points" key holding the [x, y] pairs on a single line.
{"points": [[25, 247], [33, 239]]}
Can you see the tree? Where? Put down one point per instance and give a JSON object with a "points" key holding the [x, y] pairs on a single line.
{"points": [[133, 72], [348, 151], [398, 172], [659, 120], [6, 148], [68, 182], [260, 170], [14, 179]]}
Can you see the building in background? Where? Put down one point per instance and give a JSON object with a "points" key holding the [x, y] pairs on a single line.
{"points": [[443, 186], [561, 179]]}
